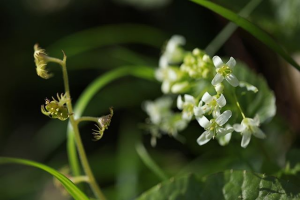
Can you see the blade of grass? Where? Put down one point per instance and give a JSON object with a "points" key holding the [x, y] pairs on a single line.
{"points": [[251, 28], [223, 36], [75, 192]]}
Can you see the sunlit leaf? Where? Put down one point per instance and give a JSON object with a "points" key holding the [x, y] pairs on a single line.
{"points": [[225, 185]]}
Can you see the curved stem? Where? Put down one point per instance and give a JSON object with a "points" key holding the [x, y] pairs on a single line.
{"points": [[88, 94], [84, 161], [90, 119]]}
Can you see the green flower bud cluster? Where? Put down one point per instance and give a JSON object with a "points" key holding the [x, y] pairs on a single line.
{"points": [[197, 64]]}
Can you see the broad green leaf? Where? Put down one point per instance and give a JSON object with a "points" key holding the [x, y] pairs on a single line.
{"points": [[225, 185], [75, 192], [253, 102], [108, 35], [251, 28]]}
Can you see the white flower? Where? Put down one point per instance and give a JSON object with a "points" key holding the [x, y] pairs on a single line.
{"points": [[212, 103], [213, 127], [225, 139], [187, 106], [180, 87], [158, 109], [167, 76], [248, 127], [219, 88], [173, 53], [224, 71]]}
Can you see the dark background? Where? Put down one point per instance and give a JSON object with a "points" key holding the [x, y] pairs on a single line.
{"points": [[26, 133]]}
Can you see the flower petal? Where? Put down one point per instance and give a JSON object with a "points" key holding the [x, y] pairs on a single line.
{"points": [[179, 102], [203, 138], [223, 118], [217, 79], [224, 140], [198, 112], [256, 120], [246, 139], [231, 63], [238, 127], [189, 98], [218, 61], [187, 115], [172, 75], [221, 101], [207, 97], [163, 62], [232, 80], [224, 131], [165, 87], [259, 133], [203, 121]]}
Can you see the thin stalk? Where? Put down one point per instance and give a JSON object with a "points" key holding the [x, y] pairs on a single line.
{"points": [[226, 32], [238, 105], [83, 158], [84, 99], [90, 119], [149, 162]]}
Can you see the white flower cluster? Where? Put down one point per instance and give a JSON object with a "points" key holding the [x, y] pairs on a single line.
{"points": [[181, 72]]}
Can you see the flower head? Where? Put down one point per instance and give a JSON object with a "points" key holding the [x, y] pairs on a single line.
{"points": [[224, 71], [158, 109], [197, 64], [213, 128], [56, 109], [168, 76], [187, 106], [247, 128], [103, 123], [40, 59], [173, 53], [213, 104]]}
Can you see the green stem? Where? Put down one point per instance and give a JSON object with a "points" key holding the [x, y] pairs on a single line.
{"points": [[88, 94], [149, 162], [226, 32], [238, 105], [84, 161], [91, 119]]}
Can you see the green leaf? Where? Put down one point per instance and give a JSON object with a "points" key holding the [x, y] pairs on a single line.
{"points": [[69, 186], [253, 102], [225, 185], [251, 28], [108, 35]]}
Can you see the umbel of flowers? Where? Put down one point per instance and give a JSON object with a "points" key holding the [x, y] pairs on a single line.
{"points": [[189, 75]]}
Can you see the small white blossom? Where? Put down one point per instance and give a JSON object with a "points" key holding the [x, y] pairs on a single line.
{"points": [[180, 87], [212, 104], [187, 106], [219, 88], [173, 53], [158, 109], [225, 139], [213, 128], [224, 71], [167, 76], [248, 127]]}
